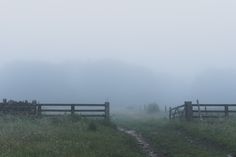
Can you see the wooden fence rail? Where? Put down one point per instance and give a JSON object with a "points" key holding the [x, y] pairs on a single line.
{"points": [[84, 110], [190, 111]]}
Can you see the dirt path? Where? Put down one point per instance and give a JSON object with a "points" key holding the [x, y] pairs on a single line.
{"points": [[145, 146]]}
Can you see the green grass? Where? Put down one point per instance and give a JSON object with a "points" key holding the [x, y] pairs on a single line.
{"points": [[63, 137], [184, 139], [220, 134]]}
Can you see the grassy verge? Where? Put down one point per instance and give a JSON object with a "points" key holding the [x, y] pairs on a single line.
{"points": [[184, 139], [63, 137]]}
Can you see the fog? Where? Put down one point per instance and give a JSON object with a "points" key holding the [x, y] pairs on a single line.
{"points": [[126, 52], [114, 81]]}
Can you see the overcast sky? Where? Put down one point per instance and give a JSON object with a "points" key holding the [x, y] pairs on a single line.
{"points": [[174, 44]]}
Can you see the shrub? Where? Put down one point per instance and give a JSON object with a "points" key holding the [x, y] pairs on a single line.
{"points": [[152, 108]]}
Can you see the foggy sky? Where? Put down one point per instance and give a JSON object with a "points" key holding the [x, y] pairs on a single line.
{"points": [[127, 51]]}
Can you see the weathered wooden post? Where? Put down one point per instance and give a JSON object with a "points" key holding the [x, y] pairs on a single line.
{"points": [[39, 109], [72, 109], [226, 111], [199, 109], [188, 110], [107, 110], [170, 112], [34, 103], [4, 101]]}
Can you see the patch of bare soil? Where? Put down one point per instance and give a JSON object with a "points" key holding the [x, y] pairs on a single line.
{"points": [[142, 142]]}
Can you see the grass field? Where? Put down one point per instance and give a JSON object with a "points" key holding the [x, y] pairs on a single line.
{"points": [[63, 137], [183, 139], [75, 137]]}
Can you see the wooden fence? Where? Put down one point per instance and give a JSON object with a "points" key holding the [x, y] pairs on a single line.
{"points": [[190, 111], [84, 110]]}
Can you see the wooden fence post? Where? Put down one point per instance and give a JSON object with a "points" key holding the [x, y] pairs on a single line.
{"points": [[107, 110], [226, 111], [72, 109], [4, 101], [188, 110], [199, 109], [39, 109], [170, 112], [34, 103]]}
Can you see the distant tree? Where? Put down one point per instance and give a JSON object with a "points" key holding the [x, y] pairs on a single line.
{"points": [[152, 108]]}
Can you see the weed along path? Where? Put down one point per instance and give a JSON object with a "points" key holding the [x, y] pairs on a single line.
{"points": [[142, 142]]}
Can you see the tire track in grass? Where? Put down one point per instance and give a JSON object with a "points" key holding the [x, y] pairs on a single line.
{"points": [[141, 141]]}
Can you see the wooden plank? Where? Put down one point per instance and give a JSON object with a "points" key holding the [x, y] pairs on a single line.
{"points": [[216, 111], [175, 108], [91, 115], [68, 105], [55, 110], [90, 105], [58, 115], [214, 105], [231, 111], [89, 110], [84, 115], [210, 111], [209, 116], [69, 110]]}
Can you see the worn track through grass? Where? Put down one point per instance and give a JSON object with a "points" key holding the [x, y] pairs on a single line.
{"points": [[142, 142], [183, 139]]}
